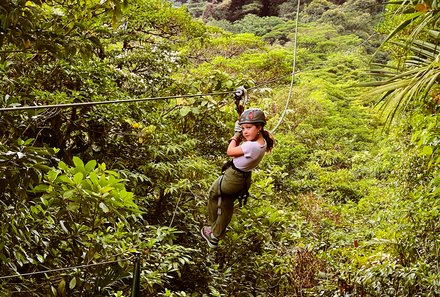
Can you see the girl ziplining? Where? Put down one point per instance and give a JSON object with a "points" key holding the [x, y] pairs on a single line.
{"points": [[235, 181]]}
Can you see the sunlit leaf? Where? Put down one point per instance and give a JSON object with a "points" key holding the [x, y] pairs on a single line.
{"points": [[90, 165], [104, 207], [78, 178], [184, 111], [72, 283]]}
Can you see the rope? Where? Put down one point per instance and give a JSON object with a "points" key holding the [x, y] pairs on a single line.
{"points": [[293, 72], [63, 269]]}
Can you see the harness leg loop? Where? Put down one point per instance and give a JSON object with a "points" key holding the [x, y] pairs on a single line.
{"points": [[219, 200]]}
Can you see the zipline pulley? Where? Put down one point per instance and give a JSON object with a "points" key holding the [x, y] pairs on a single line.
{"points": [[240, 95]]}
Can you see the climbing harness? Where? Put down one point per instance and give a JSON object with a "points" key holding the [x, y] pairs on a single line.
{"points": [[241, 195]]}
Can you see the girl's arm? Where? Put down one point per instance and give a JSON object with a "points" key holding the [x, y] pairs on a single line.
{"points": [[234, 149]]}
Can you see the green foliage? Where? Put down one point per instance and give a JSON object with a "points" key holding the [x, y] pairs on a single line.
{"points": [[196, 8], [82, 215], [412, 80], [288, 9], [263, 65], [256, 25], [316, 9], [347, 18], [261, 262], [338, 208], [22, 166], [234, 10], [325, 39], [281, 33], [354, 17], [145, 21], [413, 85], [410, 91], [73, 217], [57, 28], [426, 136], [228, 46]]}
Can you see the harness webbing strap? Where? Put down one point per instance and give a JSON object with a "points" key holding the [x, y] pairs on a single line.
{"points": [[219, 200]]}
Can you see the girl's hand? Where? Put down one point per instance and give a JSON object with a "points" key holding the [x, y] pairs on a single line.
{"points": [[237, 127], [237, 138], [234, 148]]}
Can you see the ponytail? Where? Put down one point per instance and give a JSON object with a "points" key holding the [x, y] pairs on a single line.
{"points": [[269, 139]]}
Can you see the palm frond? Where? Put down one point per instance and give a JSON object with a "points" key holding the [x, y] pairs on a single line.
{"points": [[408, 85], [416, 47], [382, 87], [402, 26], [385, 66], [379, 73], [414, 61], [434, 34]]}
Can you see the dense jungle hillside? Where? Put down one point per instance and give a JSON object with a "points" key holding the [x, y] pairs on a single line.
{"points": [[233, 10], [115, 119]]}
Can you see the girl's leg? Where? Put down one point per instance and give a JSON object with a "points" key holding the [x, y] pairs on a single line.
{"points": [[219, 226], [231, 183], [214, 193]]}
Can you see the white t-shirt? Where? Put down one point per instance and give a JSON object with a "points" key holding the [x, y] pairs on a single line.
{"points": [[253, 154]]}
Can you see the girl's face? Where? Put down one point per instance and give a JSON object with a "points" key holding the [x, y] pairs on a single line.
{"points": [[250, 131]]}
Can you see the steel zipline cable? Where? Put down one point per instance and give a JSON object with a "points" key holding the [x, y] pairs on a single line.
{"points": [[65, 268], [293, 72], [93, 103]]}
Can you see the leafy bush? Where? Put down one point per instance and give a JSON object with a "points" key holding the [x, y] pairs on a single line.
{"points": [[81, 215]]}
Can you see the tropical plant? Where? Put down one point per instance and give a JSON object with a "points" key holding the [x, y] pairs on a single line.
{"points": [[413, 80]]}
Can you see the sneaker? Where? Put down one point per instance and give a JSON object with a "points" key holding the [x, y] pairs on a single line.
{"points": [[210, 238]]}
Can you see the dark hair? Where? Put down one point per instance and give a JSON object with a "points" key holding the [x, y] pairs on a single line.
{"points": [[269, 139]]}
